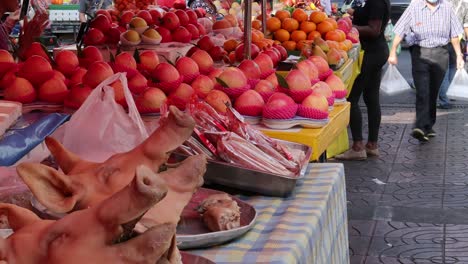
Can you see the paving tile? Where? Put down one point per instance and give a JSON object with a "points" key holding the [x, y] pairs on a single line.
{"points": [[368, 171], [456, 196], [457, 156], [357, 259], [456, 172], [387, 260], [363, 185], [415, 156], [416, 177], [361, 227], [409, 232], [358, 245], [394, 247], [456, 244]]}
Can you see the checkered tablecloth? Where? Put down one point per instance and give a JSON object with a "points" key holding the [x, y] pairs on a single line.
{"points": [[310, 226]]}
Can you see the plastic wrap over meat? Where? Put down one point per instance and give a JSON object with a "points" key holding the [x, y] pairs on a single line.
{"points": [[271, 147], [237, 150], [192, 147], [207, 118]]}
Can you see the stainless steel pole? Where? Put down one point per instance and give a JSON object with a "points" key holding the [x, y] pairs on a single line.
{"points": [[264, 12]]}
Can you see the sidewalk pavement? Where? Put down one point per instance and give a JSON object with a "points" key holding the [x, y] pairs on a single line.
{"points": [[410, 205]]}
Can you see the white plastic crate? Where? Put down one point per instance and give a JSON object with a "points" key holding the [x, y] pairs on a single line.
{"points": [[64, 15]]}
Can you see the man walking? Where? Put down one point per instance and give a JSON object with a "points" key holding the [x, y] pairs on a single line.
{"points": [[89, 7]]}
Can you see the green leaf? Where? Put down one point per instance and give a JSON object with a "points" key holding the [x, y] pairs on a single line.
{"points": [[281, 80], [136, 55], [222, 83]]}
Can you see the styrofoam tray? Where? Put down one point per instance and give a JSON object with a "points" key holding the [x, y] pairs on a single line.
{"points": [[296, 121], [340, 101]]}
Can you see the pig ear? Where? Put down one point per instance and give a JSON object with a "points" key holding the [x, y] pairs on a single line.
{"points": [[52, 188], [64, 158], [17, 217]]}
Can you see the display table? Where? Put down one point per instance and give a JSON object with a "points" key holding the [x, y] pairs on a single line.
{"points": [[317, 138], [310, 226]]}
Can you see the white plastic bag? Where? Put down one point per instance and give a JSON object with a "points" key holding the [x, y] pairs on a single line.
{"points": [[458, 88], [393, 82], [101, 128]]}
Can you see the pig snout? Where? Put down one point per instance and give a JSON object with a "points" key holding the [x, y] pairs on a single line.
{"points": [[149, 184]]}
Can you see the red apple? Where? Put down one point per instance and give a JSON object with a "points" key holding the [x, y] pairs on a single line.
{"points": [[146, 15], [156, 15], [322, 88], [126, 17], [67, 62], [249, 102], [105, 13], [53, 91], [94, 37], [170, 21], [297, 80], [217, 53], [184, 92], [192, 15], [264, 62], [151, 100], [165, 34], [202, 85], [201, 29], [250, 69], [193, 30], [204, 60], [77, 95], [254, 50], [282, 51], [149, 60], [264, 86], [183, 17], [181, 34], [101, 22], [77, 77], [218, 99], [274, 55], [20, 90], [316, 101], [125, 60], [97, 72], [165, 72], [205, 43], [89, 55], [233, 78]]}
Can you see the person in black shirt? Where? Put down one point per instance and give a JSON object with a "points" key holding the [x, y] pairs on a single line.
{"points": [[370, 19]]}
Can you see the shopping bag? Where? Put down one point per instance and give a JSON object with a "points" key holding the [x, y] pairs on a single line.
{"points": [[458, 88], [101, 128], [393, 82]]}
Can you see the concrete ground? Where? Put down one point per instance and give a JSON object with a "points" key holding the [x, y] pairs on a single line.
{"points": [[410, 205]]}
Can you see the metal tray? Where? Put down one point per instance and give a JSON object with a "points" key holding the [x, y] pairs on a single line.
{"points": [[270, 184], [192, 232]]}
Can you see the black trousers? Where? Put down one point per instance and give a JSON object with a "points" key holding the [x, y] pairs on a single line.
{"points": [[428, 67], [367, 83]]}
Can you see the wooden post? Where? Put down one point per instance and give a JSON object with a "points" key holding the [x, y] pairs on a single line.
{"points": [[247, 28], [264, 12]]}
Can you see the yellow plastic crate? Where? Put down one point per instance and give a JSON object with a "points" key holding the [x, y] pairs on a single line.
{"points": [[319, 139]]}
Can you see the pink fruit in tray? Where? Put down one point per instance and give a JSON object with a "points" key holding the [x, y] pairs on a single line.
{"points": [[53, 91], [273, 79], [264, 86], [309, 68], [280, 100], [254, 51], [105, 13], [232, 78], [5, 56], [170, 21], [184, 92], [264, 62], [126, 60], [214, 74], [101, 22], [193, 30], [205, 43], [149, 60], [156, 15], [275, 56], [20, 90], [183, 17], [250, 99], [165, 72], [89, 55], [218, 99], [297, 80], [187, 66], [204, 60], [36, 48], [283, 52], [217, 53], [77, 76], [113, 35], [165, 34], [320, 63], [192, 15], [97, 72], [119, 95], [94, 36], [335, 83], [181, 34], [322, 88], [146, 15], [36, 70], [151, 100], [59, 76], [137, 83], [316, 101], [126, 17], [202, 85], [201, 29], [250, 69], [77, 95]]}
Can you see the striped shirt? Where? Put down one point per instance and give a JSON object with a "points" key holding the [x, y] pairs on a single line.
{"points": [[429, 28]]}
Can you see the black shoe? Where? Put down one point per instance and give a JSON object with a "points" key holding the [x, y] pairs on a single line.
{"points": [[431, 133], [419, 135], [444, 106]]}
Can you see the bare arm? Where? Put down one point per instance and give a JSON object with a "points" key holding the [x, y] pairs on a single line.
{"points": [[82, 17], [392, 58], [456, 47]]}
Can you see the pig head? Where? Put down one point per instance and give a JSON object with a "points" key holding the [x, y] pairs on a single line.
{"points": [[82, 184], [88, 236]]}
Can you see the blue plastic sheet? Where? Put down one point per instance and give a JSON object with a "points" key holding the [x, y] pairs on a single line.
{"points": [[25, 136]]}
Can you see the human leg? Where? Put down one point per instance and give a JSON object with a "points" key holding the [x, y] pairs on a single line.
{"points": [[438, 69], [420, 71]]}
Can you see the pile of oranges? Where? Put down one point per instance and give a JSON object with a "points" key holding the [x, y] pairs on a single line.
{"points": [[296, 29]]}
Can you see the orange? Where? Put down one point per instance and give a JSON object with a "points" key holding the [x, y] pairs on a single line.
{"points": [[273, 24], [277, 41], [299, 14], [341, 33], [282, 14], [307, 26], [333, 35], [262, 45], [282, 35], [289, 45], [230, 45], [290, 24], [333, 22], [312, 35], [298, 35], [324, 27], [317, 17], [256, 24], [257, 35]]}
